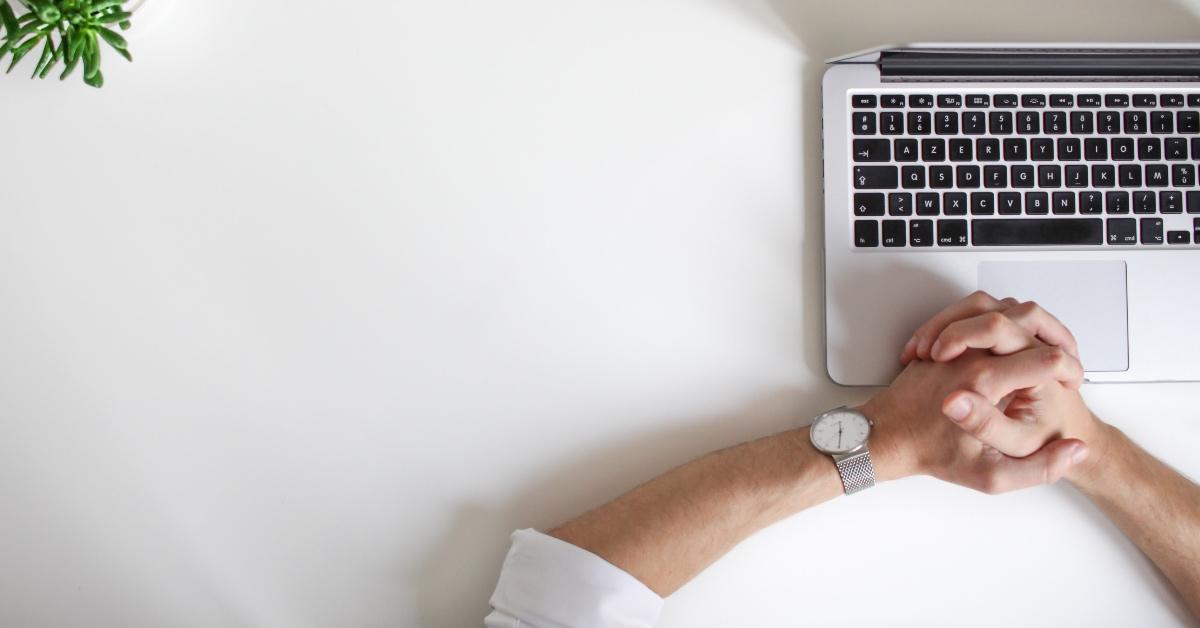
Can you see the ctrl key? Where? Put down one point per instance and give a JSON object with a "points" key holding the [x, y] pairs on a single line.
{"points": [[866, 233]]}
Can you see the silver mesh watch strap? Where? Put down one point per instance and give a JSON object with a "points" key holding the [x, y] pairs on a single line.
{"points": [[857, 472]]}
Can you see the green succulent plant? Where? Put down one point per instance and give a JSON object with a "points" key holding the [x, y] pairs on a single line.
{"points": [[66, 30]]}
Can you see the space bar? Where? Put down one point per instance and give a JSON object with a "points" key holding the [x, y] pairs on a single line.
{"points": [[1036, 231]]}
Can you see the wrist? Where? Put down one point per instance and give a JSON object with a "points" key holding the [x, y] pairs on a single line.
{"points": [[891, 453], [1102, 440]]}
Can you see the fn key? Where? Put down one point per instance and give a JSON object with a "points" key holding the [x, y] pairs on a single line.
{"points": [[952, 232]]}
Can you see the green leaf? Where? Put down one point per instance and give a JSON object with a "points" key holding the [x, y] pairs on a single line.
{"points": [[125, 25], [54, 59], [47, 55], [122, 16], [91, 55], [19, 53], [49, 14], [9, 18], [95, 80], [104, 5], [72, 61], [113, 38]]}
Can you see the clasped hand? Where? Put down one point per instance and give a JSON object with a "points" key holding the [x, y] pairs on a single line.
{"points": [[989, 399]]}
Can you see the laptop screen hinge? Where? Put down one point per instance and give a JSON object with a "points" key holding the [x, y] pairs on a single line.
{"points": [[1033, 65]]}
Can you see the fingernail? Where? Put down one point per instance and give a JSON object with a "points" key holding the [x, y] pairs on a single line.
{"points": [[959, 409], [908, 346], [1079, 454], [933, 351]]}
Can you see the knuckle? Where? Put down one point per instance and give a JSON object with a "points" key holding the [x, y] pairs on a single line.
{"points": [[979, 297], [994, 322], [991, 483], [1054, 357]]}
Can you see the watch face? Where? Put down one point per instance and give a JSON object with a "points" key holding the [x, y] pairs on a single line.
{"points": [[840, 432]]}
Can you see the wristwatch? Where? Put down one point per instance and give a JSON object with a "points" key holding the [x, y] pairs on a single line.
{"points": [[842, 433]]}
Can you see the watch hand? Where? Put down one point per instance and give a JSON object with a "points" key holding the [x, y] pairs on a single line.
{"points": [[839, 434]]}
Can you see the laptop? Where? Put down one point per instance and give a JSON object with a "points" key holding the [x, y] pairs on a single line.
{"points": [[1066, 175]]}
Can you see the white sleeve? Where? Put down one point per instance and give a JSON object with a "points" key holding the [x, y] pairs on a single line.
{"points": [[549, 583]]}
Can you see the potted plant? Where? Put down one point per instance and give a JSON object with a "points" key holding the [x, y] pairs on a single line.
{"points": [[67, 31]]}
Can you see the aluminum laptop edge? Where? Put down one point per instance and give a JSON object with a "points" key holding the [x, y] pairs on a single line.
{"points": [[1135, 308]]}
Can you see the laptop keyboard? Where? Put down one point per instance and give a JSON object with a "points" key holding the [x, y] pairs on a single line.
{"points": [[1021, 168]]}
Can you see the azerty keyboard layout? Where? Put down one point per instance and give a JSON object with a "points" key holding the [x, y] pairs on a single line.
{"points": [[945, 170]]}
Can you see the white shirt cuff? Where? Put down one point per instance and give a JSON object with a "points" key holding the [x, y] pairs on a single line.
{"points": [[549, 583]]}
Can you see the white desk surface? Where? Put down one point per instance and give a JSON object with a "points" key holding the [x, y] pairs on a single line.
{"points": [[311, 306]]}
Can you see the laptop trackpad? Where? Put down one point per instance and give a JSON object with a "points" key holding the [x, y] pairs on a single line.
{"points": [[1088, 297]]}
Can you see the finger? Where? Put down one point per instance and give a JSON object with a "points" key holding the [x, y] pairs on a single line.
{"points": [[1046, 466], [1044, 325], [975, 304], [983, 420], [996, 377], [993, 331]]}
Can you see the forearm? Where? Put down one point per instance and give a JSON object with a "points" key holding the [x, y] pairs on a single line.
{"points": [[669, 529], [1155, 506]]}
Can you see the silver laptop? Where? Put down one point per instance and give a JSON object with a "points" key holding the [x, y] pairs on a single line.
{"points": [[1063, 175]]}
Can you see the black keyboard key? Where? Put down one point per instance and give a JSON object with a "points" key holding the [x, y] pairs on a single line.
{"points": [[1193, 204], [1170, 202], [876, 177], [1145, 100], [945, 123], [1063, 202], [895, 233], [892, 101], [1076, 176], [1122, 231], [1172, 100], [1129, 175], [1089, 100], [1152, 231], [1196, 148], [920, 101], [941, 177], [929, 204], [1069, 149], [978, 100], [1122, 149], [1188, 122], [863, 101], [1036, 232], [920, 233], [1116, 202], [983, 203], [1028, 123], [952, 232], [987, 149], [1179, 237], [906, 149], [1193, 100], [1104, 176], [1116, 100], [919, 123], [872, 150], [866, 233], [1041, 149], [1162, 122], [1022, 176], [900, 204], [1135, 122], [1054, 122], [1015, 149], [1157, 176], [1037, 203], [949, 100], [1108, 122], [966, 177], [1049, 176], [1062, 100], [1033, 100], [1008, 203], [1176, 148], [933, 149], [1004, 100], [863, 123], [1143, 203], [868, 204], [1091, 203], [891, 123], [960, 150], [1082, 122], [954, 204], [1149, 149], [1095, 149], [995, 177], [912, 177], [1000, 122], [1183, 175], [973, 122]]}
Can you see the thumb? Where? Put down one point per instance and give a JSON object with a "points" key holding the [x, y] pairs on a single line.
{"points": [[979, 418], [1045, 466]]}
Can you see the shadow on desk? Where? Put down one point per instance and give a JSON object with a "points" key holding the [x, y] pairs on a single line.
{"points": [[459, 574]]}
